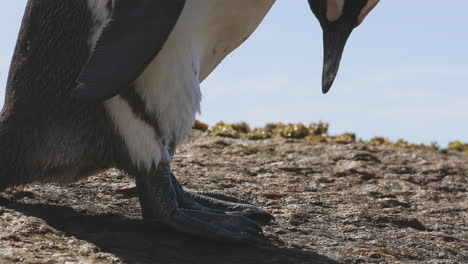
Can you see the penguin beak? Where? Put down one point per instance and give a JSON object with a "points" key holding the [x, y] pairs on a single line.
{"points": [[333, 46]]}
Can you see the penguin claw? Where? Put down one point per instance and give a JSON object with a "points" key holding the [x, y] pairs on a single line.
{"points": [[220, 196], [233, 223], [221, 227], [218, 202], [258, 214], [163, 199]]}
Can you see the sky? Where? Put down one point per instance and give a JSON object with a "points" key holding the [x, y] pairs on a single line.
{"points": [[404, 73]]}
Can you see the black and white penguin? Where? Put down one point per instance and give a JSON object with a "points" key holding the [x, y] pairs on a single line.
{"points": [[96, 84]]}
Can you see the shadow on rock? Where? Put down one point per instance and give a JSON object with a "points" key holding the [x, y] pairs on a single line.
{"points": [[137, 241]]}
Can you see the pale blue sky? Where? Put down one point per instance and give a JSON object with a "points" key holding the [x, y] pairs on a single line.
{"points": [[404, 72]]}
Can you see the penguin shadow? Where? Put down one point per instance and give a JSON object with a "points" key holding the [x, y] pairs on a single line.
{"points": [[139, 241]]}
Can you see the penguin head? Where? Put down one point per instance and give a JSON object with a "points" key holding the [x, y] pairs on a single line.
{"points": [[338, 18]]}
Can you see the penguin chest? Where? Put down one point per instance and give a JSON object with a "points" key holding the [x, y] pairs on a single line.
{"points": [[168, 90]]}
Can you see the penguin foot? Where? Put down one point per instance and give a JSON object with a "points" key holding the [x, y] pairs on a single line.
{"points": [[232, 227], [218, 202], [163, 200], [225, 203]]}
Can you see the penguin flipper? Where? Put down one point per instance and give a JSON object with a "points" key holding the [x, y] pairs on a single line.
{"points": [[135, 34]]}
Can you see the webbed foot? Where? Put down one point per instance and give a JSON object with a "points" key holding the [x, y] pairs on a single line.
{"points": [[204, 214], [219, 202]]}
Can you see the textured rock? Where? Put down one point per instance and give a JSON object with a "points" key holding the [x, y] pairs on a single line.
{"points": [[349, 203]]}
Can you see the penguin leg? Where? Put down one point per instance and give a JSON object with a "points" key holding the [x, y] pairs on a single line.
{"points": [[160, 202], [219, 202]]}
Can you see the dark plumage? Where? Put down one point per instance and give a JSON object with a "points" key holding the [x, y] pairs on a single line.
{"points": [[43, 130]]}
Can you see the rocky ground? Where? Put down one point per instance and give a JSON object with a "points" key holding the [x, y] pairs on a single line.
{"points": [[334, 202]]}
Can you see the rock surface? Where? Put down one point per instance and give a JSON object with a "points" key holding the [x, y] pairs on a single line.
{"points": [[333, 203]]}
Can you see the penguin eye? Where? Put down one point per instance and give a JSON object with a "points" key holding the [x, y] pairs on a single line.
{"points": [[366, 10], [334, 9]]}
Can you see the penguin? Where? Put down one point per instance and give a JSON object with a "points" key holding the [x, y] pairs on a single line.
{"points": [[99, 84]]}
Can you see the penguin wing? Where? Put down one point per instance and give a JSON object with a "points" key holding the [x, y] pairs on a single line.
{"points": [[133, 37]]}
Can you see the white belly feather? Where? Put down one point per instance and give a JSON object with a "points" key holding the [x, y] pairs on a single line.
{"points": [[206, 32]]}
